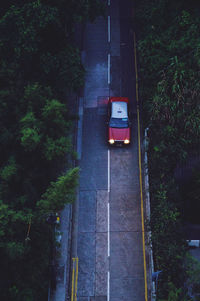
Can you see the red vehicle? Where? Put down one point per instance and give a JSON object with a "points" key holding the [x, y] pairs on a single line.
{"points": [[118, 120]]}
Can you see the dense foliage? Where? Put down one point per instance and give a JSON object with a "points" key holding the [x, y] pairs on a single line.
{"points": [[168, 48], [40, 68]]}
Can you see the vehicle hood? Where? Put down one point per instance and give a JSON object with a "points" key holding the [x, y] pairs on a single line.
{"points": [[119, 134]]}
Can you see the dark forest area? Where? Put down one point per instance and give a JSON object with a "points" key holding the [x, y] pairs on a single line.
{"points": [[169, 87], [40, 69]]}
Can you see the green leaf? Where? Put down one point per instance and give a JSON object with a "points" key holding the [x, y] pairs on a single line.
{"points": [[30, 138], [60, 192], [8, 171]]}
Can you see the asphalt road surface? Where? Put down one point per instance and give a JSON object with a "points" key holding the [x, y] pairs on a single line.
{"points": [[109, 244]]}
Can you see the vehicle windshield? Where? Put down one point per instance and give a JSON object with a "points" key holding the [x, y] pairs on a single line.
{"points": [[118, 123]]}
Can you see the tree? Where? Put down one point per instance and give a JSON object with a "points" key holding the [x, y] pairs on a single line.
{"points": [[39, 68], [55, 148], [192, 266], [9, 170], [60, 192], [169, 89]]}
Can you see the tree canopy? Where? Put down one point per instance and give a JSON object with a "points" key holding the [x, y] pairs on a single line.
{"points": [[40, 69], [168, 49]]}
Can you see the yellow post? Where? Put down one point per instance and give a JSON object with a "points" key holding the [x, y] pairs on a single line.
{"points": [[72, 293], [76, 282]]}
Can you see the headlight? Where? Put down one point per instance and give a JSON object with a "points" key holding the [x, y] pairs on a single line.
{"points": [[126, 141], [111, 141]]}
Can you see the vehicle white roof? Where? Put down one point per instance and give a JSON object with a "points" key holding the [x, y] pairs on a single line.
{"points": [[119, 109]]}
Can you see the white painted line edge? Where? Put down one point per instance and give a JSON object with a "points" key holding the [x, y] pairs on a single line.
{"points": [[108, 286], [108, 212], [108, 29], [109, 68], [108, 170], [108, 229]]}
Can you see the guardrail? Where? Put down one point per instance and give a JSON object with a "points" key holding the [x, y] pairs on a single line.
{"points": [[147, 197]]}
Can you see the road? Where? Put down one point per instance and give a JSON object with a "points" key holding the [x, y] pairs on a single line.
{"points": [[110, 244]]}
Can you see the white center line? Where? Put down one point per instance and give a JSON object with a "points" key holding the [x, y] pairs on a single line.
{"points": [[108, 29], [108, 229], [109, 68], [108, 212], [108, 170], [108, 287]]}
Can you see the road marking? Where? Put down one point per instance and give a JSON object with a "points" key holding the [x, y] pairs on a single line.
{"points": [[109, 68], [108, 286], [74, 283], [108, 170], [142, 205], [108, 29], [108, 229], [108, 2], [140, 174]]}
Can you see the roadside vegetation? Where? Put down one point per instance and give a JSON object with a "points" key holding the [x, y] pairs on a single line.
{"points": [[169, 60], [40, 69]]}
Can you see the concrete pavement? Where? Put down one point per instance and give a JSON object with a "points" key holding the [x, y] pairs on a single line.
{"points": [[110, 249], [108, 223]]}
